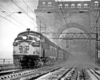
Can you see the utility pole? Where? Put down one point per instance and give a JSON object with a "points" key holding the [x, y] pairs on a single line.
{"points": [[97, 26], [96, 57], [40, 26]]}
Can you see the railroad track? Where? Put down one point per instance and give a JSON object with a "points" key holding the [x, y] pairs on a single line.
{"points": [[6, 67], [26, 74], [53, 75], [9, 71], [59, 73], [70, 74], [15, 74], [95, 73]]}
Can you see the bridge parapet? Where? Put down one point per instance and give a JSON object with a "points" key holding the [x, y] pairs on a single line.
{"points": [[68, 5], [6, 61]]}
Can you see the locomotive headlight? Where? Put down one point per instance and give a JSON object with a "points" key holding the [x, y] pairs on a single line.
{"points": [[15, 43], [38, 39], [24, 37]]}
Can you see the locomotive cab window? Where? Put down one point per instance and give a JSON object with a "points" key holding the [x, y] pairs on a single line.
{"points": [[35, 40], [22, 37], [42, 39]]}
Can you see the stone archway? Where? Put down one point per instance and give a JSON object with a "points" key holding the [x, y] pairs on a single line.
{"points": [[68, 26], [71, 25], [66, 35], [81, 28], [81, 49]]}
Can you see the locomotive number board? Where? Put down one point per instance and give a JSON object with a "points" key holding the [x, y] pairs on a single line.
{"points": [[23, 49]]}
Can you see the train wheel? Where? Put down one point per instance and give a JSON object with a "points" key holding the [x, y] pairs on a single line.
{"points": [[24, 62], [40, 63], [36, 63], [31, 64]]}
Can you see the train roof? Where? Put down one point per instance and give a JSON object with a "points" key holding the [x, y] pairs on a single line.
{"points": [[46, 39], [26, 32]]}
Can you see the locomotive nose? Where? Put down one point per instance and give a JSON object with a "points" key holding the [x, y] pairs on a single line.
{"points": [[23, 47]]}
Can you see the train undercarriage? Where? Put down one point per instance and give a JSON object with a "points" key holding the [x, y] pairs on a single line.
{"points": [[28, 61]]}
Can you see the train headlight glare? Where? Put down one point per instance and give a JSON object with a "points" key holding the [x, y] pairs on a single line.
{"points": [[38, 39], [16, 41], [24, 37]]}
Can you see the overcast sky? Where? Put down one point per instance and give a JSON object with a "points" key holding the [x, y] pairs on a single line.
{"points": [[11, 22]]}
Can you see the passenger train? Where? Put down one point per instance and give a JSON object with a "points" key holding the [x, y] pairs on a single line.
{"points": [[32, 49]]}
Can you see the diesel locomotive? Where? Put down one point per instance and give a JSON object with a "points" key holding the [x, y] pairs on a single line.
{"points": [[32, 49]]}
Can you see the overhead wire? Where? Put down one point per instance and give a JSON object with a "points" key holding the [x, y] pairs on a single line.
{"points": [[9, 5], [37, 17], [31, 10], [12, 18], [10, 13], [96, 19], [62, 12], [7, 13], [10, 21], [27, 6], [22, 10], [14, 15], [27, 10]]}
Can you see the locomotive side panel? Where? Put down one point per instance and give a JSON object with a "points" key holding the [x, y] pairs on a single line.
{"points": [[66, 55], [60, 57], [51, 52], [49, 47]]}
